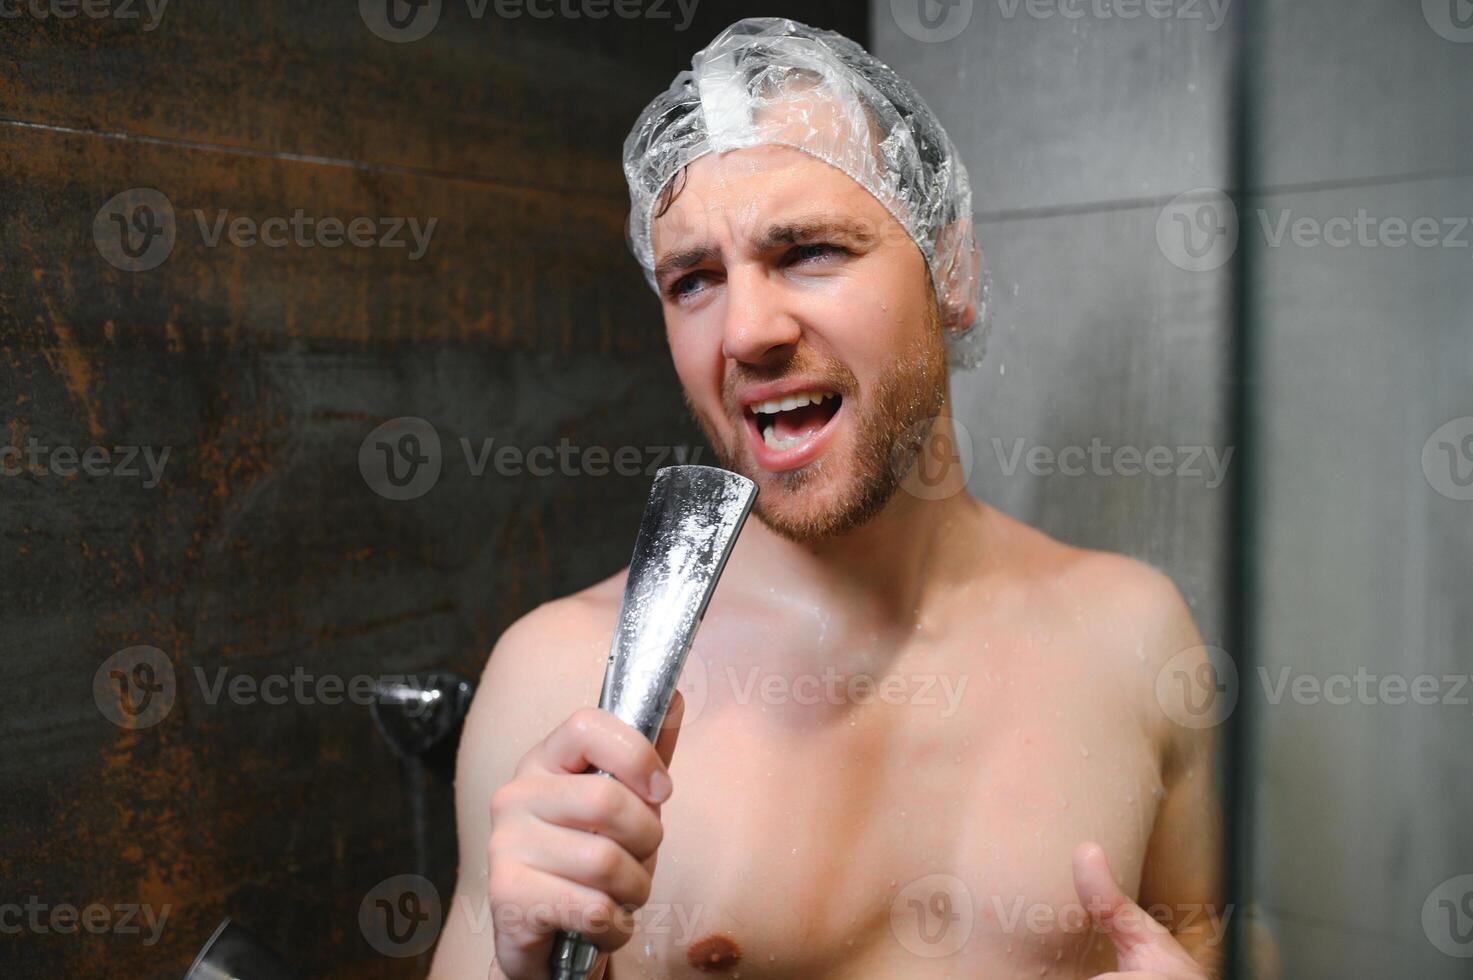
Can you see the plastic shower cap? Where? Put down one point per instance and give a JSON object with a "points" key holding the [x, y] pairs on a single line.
{"points": [[770, 80]]}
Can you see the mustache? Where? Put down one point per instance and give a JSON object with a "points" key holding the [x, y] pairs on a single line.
{"points": [[829, 372]]}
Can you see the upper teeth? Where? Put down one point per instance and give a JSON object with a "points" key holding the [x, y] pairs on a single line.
{"points": [[790, 402]]}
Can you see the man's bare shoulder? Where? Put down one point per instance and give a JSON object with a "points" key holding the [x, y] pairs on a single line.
{"points": [[1109, 594], [1131, 619], [570, 633]]}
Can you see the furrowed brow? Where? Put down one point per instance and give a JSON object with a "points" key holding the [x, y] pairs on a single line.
{"points": [[685, 259], [822, 229]]}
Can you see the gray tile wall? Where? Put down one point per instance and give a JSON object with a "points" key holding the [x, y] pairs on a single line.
{"points": [[1361, 813], [1078, 132]]}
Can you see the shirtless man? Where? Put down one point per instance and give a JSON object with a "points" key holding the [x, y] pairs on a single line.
{"points": [[917, 738]]}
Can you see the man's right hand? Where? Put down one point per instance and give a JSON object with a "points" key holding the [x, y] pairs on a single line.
{"points": [[572, 850]]}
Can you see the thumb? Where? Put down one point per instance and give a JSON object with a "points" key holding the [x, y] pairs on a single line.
{"points": [[1141, 943]]}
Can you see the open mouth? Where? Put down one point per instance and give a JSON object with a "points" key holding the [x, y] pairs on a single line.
{"points": [[785, 424]]}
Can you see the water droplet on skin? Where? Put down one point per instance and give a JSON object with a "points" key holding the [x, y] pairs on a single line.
{"points": [[1084, 752]]}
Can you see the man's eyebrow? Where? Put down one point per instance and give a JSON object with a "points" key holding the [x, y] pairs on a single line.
{"points": [[794, 232], [684, 259], [816, 229]]}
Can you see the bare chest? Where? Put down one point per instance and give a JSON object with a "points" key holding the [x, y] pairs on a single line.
{"points": [[916, 820]]}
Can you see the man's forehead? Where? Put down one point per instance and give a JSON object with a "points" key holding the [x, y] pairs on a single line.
{"points": [[758, 195]]}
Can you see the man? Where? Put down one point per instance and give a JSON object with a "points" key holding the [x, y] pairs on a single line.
{"points": [[917, 738]]}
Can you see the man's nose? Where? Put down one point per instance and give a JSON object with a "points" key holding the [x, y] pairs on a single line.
{"points": [[760, 328]]}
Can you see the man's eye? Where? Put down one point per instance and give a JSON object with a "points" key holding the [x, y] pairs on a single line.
{"points": [[685, 285], [807, 253]]}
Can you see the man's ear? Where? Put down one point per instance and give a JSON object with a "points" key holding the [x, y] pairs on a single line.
{"points": [[961, 274]]}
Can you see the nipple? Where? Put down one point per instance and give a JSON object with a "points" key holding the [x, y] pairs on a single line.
{"points": [[714, 953]]}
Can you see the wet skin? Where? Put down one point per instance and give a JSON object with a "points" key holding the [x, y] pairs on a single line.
{"points": [[895, 740]]}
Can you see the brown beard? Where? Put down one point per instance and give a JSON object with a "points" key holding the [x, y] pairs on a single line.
{"points": [[891, 424]]}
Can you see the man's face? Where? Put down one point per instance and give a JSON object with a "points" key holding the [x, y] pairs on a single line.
{"points": [[782, 279]]}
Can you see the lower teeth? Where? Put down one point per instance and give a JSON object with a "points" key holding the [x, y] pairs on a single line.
{"points": [[773, 442]]}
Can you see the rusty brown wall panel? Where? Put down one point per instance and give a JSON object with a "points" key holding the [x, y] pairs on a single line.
{"points": [[262, 550], [519, 267], [309, 78]]}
